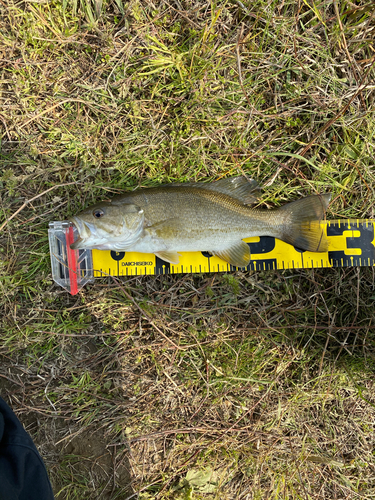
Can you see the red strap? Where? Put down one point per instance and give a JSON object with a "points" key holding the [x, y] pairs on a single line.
{"points": [[72, 263]]}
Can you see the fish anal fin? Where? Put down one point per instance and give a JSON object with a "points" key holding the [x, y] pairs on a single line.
{"points": [[237, 255], [171, 257]]}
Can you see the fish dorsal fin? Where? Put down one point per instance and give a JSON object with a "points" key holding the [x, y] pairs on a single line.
{"points": [[171, 257], [244, 190], [237, 255]]}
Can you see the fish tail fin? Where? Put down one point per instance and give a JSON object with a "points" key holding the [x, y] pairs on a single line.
{"points": [[301, 223]]}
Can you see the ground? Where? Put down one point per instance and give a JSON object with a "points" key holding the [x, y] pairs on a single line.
{"points": [[228, 385]]}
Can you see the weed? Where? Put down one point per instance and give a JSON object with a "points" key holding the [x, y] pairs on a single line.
{"points": [[229, 386]]}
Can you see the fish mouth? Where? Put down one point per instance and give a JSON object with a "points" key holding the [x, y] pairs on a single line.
{"points": [[84, 233]]}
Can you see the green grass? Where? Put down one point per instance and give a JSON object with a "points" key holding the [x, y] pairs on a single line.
{"points": [[232, 386]]}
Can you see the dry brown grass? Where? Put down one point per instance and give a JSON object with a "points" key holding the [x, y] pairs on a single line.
{"points": [[242, 386]]}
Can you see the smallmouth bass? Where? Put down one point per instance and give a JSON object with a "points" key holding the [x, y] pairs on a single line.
{"points": [[212, 217]]}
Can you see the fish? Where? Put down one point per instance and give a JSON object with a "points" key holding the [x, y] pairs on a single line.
{"points": [[199, 217]]}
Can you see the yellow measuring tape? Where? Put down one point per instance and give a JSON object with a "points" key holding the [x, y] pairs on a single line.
{"points": [[351, 243]]}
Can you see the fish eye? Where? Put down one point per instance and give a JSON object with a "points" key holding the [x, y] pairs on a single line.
{"points": [[97, 213]]}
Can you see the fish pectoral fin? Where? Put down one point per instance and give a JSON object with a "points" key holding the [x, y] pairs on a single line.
{"points": [[237, 255], [171, 257], [167, 224], [168, 229]]}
